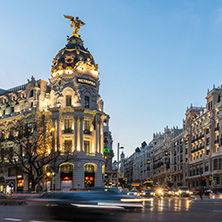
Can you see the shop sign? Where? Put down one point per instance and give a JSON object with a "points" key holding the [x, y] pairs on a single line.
{"points": [[121, 175], [86, 81]]}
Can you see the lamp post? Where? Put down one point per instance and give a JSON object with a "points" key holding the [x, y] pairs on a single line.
{"points": [[118, 148]]}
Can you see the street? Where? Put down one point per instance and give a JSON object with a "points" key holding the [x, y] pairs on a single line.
{"points": [[166, 209]]}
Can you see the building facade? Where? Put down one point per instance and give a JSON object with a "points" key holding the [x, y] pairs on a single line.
{"points": [[79, 124], [191, 156]]}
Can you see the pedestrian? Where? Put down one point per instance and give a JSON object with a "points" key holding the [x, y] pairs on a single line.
{"points": [[201, 193]]}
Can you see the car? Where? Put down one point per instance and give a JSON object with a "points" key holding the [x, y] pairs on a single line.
{"points": [[93, 201], [167, 193], [134, 193], [148, 192], [184, 191], [159, 192]]}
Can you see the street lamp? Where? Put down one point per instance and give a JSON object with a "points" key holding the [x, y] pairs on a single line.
{"points": [[118, 148]]}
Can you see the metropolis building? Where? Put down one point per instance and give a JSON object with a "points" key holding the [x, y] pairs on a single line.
{"points": [[72, 102]]}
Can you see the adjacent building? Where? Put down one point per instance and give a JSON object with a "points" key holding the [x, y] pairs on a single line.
{"points": [[190, 156]]}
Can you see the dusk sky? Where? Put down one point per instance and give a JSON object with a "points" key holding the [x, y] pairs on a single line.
{"points": [[155, 57]]}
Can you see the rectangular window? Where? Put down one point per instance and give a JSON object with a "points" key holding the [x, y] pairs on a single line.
{"points": [[215, 164], [86, 102], [87, 127], [68, 146], [12, 110], [68, 100], [3, 112], [11, 172], [68, 126], [86, 147]]}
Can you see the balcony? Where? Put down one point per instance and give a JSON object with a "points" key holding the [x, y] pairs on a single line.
{"points": [[217, 128], [87, 132], [67, 131], [197, 149], [216, 141], [90, 154]]}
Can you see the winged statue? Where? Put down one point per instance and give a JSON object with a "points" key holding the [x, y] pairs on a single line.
{"points": [[77, 23]]}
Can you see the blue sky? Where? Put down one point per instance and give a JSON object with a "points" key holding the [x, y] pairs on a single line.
{"points": [[155, 57]]}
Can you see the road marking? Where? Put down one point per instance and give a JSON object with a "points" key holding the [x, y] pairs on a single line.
{"points": [[36, 221], [12, 219]]}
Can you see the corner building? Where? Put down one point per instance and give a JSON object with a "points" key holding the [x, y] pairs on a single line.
{"points": [[71, 99]]}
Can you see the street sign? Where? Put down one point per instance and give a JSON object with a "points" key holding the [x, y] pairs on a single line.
{"points": [[54, 180], [213, 183], [11, 184], [121, 175], [210, 178]]}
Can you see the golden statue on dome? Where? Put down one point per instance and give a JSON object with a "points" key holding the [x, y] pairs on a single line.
{"points": [[76, 23]]}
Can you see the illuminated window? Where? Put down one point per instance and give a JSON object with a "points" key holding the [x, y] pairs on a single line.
{"points": [[86, 146], [86, 102], [68, 146], [68, 125], [68, 100]]}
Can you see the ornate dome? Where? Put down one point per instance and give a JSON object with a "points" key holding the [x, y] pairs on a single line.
{"points": [[71, 56]]}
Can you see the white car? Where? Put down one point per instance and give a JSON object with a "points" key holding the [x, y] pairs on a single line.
{"points": [[134, 192]]}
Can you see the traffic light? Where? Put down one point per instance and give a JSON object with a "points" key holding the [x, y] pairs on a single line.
{"points": [[203, 182]]}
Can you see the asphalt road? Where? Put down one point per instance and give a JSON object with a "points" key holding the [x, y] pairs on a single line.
{"points": [[167, 210]]}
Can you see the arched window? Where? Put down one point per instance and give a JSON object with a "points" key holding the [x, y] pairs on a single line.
{"points": [[68, 100]]}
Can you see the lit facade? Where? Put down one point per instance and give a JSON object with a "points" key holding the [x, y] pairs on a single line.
{"points": [[72, 103]]}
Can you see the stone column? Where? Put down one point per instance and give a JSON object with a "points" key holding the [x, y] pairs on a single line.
{"points": [[98, 176], [57, 134], [96, 137], [75, 133], [53, 134], [99, 137], [79, 176], [81, 133], [58, 181]]}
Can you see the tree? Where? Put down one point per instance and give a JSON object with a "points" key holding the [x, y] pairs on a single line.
{"points": [[33, 150]]}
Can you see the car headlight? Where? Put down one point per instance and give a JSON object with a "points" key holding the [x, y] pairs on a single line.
{"points": [[128, 193], [187, 191], [180, 191], [159, 191], [151, 193], [169, 192]]}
